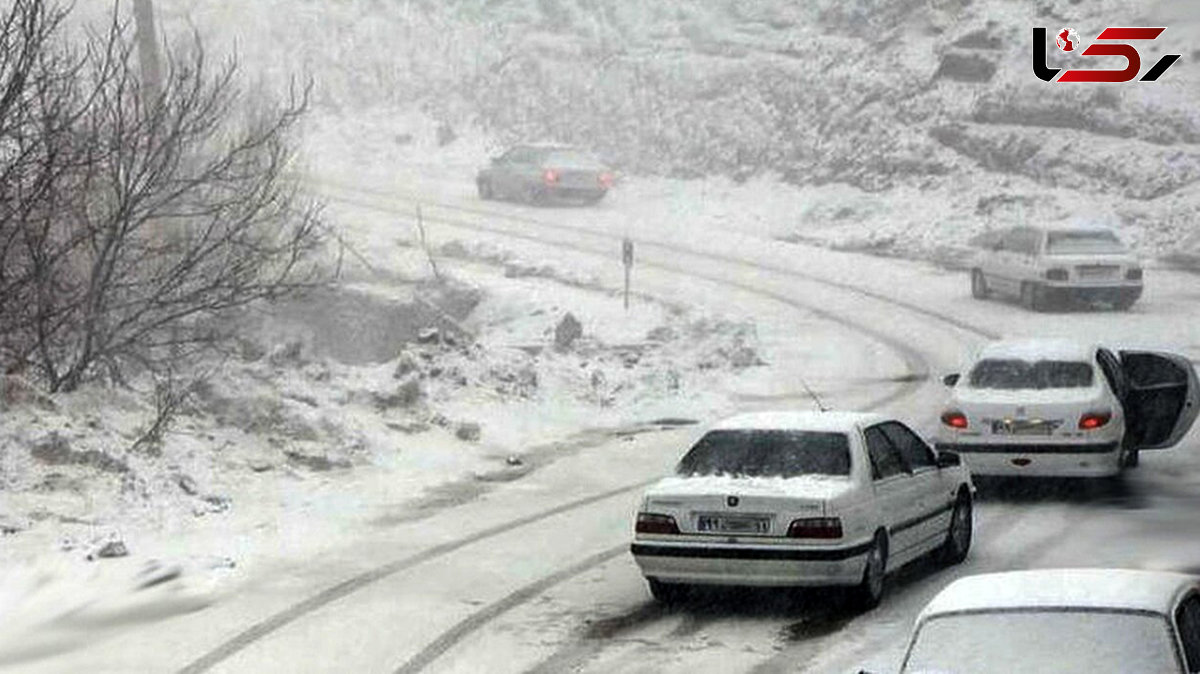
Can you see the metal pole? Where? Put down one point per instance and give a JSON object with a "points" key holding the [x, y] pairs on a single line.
{"points": [[626, 288]]}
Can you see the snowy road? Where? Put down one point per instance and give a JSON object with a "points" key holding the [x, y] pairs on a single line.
{"points": [[535, 576]]}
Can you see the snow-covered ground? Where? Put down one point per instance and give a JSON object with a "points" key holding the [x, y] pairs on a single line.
{"points": [[329, 434]]}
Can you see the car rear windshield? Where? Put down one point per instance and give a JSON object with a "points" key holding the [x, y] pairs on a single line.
{"points": [[768, 453], [993, 373], [1039, 641], [571, 159], [1077, 242]]}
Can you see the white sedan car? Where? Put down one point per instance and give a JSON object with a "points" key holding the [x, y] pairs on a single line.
{"points": [[802, 499], [1065, 409], [1060, 621]]}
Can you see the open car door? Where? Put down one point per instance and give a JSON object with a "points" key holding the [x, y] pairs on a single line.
{"points": [[1162, 400]]}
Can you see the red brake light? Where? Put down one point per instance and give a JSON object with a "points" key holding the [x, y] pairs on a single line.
{"points": [[815, 527], [1093, 420], [650, 523], [606, 179], [954, 419], [550, 176]]}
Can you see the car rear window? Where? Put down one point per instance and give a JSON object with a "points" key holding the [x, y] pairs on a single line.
{"points": [[1077, 242], [768, 453], [570, 159], [994, 373]]}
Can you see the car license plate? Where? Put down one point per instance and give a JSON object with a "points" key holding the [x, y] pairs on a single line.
{"points": [[1097, 272], [725, 524], [1024, 426]]}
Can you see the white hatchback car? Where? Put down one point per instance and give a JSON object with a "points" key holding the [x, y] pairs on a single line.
{"points": [[1060, 621], [1059, 408], [1045, 265], [802, 499]]}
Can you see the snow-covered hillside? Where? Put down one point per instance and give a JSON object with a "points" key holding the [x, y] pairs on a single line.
{"points": [[904, 127]]}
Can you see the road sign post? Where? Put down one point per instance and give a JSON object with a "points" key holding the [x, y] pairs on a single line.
{"points": [[627, 260]]}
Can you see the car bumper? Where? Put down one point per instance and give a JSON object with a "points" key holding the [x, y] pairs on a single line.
{"points": [[1108, 292], [704, 564], [575, 192], [1039, 460]]}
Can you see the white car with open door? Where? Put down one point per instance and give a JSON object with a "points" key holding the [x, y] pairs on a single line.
{"points": [[1060, 621], [802, 499], [1059, 408]]}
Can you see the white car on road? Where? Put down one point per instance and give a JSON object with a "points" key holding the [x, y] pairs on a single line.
{"points": [[1053, 407], [802, 499], [1045, 265], [1060, 621]]}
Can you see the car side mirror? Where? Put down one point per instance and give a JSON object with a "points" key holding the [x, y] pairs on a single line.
{"points": [[951, 379], [947, 459]]}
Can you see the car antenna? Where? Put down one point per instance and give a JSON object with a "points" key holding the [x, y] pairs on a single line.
{"points": [[820, 405]]}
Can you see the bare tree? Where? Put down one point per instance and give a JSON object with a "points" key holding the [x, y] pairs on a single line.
{"points": [[103, 290]]}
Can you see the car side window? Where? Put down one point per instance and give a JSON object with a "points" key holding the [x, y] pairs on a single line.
{"points": [[912, 448], [1024, 241], [1112, 372], [1011, 241], [1187, 621], [518, 155], [885, 458]]}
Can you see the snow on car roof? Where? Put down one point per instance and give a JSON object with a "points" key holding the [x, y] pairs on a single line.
{"points": [[1046, 588], [1038, 349], [831, 422]]}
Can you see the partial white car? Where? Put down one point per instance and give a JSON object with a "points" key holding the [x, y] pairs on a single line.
{"points": [[1060, 408], [1041, 266], [802, 499], [1060, 621]]}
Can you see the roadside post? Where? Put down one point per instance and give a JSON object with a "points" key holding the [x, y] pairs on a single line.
{"points": [[627, 259]]}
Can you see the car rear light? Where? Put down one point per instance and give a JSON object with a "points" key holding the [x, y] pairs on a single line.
{"points": [[954, 419], [1094, 420], [1134, 274], [815, 527], [650, 523], [606, 179], [1056, 274], [550, 176]]}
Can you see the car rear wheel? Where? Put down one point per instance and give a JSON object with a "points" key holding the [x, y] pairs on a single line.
{"points": [[535, 196], [667, 593], [1130, 459], [979, 289], [1032, 297], [868, 593], [958, 535]]}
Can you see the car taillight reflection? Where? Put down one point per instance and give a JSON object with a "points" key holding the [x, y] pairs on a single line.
{"points": [[550, 176], [954, 419], [606, 179], [1093, 420], [652, 523], [815, 527]]}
